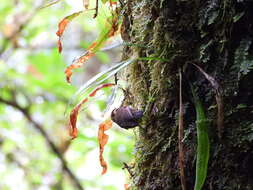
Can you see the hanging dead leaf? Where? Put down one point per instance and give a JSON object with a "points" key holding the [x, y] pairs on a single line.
{"points": [[219, 99], [74, 112], [93, 93], [62, 26], [73, 118], [103, 139], [114, 27], [79, 62], [59, 44], [181, 152], [110, 30]]}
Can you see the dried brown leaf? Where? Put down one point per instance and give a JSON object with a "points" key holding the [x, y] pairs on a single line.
{"points": [[62, 26], [114, 27], [77, 64], [73, 118], [103, 139], [108, 32], [111, 2], [181, 135], [212, 81], [218, 97], [93, 93], [75, 111]]}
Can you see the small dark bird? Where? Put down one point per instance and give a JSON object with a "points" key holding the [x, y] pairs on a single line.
{"points": [[126, 117]]}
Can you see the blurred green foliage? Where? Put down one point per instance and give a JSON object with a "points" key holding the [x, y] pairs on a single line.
{"points": [[32, 77]]}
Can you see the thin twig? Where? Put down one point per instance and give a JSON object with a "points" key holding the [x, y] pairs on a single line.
{"points": [[220, 114], [128, 169], [53, 147], [96, 10], [181, 135]]}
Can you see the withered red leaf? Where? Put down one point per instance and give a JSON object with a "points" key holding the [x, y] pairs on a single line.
{"points": [[62, 26], [108, 32], [78, 63], [93, 93], [103, 139], [74, 112], [59, 45], [112, 3], [73, 118]]}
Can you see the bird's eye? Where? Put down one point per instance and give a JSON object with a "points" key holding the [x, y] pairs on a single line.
{"points": [[113, 112]]}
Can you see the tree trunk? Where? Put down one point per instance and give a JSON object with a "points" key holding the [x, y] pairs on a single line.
{"points": [[217, 36]]}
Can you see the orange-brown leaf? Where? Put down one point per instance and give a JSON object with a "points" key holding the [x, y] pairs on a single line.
{"points": [[92, 46], [78, 63], [73, 118], [62, 26], [93, 93], [127, 186], [114, 27], [108, 32], [74, 113], [59, 44], [103, 139], [112, 3]]}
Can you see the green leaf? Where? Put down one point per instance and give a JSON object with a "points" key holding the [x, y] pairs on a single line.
{"points": [[102, 76]]}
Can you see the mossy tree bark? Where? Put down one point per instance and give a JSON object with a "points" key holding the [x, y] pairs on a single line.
{"points": [[216, 35]]}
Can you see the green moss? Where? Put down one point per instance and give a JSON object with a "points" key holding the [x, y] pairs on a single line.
{"points": [[183, 32]]}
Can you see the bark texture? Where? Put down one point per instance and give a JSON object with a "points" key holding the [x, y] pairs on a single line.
{"points": [[216, 35]]}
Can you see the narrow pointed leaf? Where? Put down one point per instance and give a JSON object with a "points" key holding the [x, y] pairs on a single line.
{"points": [[110, 30], [75, 111], [62, 26], [218, 97], [101, 77], [73, 118], [103, 139]]}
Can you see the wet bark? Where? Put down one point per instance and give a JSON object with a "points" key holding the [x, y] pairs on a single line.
{"points": [[216, 35]]}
